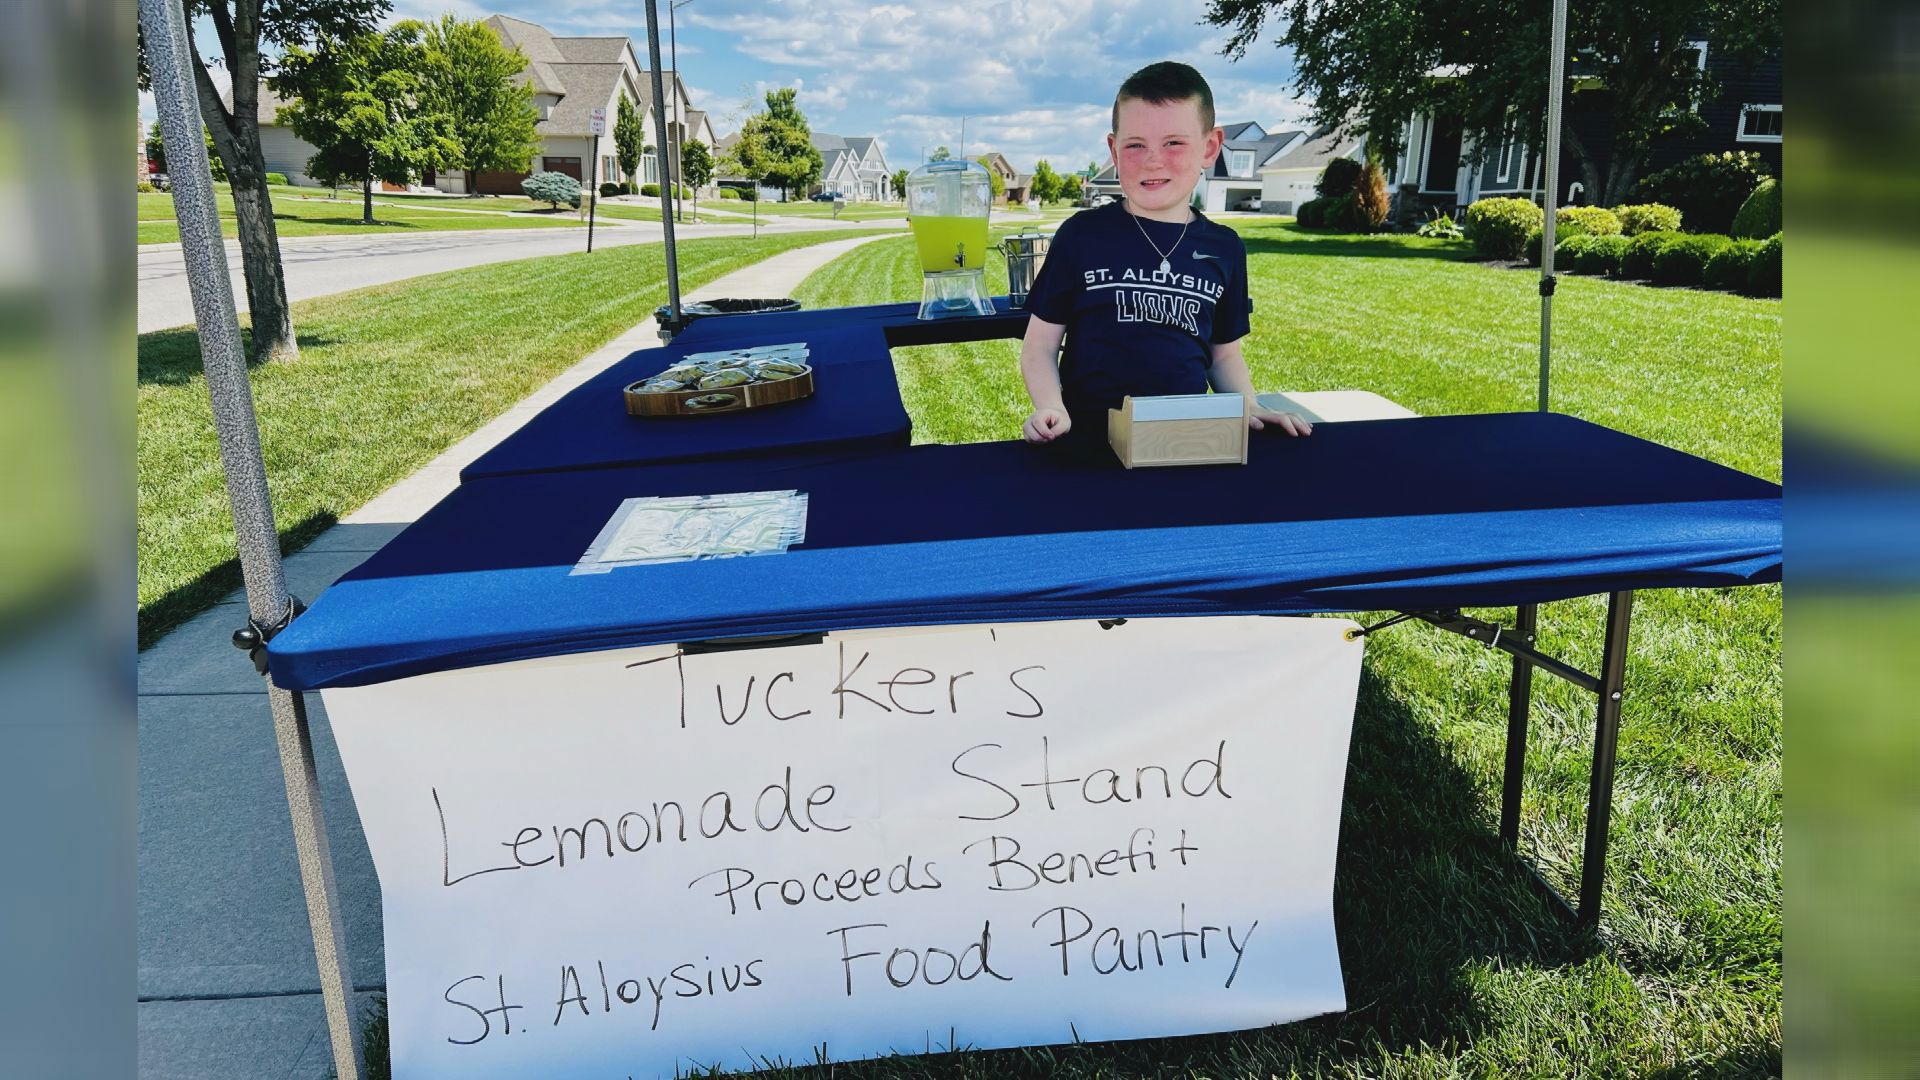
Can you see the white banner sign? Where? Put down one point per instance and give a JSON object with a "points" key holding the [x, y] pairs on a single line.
{"points": [[625, 863]]}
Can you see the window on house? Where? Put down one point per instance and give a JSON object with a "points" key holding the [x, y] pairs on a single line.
{"points": [[1240, 162], [1760, 123], [649, 169], [1509, 159]]}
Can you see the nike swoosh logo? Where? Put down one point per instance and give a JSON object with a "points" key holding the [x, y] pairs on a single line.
{"points": [[1204, 255]]}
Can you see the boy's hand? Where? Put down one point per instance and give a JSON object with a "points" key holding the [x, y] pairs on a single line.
{"points": [[1045, 425], [1291, 423]]}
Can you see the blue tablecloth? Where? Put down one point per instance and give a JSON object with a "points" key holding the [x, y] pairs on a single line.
{"points": [[1375, 515], [856, 401]]}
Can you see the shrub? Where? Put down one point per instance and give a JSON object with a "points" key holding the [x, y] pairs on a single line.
{"points": [[1442, 227], [1309, 214], [1684, 261], [277, 178], [1647, 217], [1637, 261], [1585, 221], [1729, 268], [1759, 216], [143, 187], [1536, 240], [1708, 189], [1499, 227], [1601, 255], [631, 188], [552, 188], [1338, 178], [729, 193], [650, 190], [1342, 213], [1763, 273], [608, 191], [1569, 254], [1370, 203]]}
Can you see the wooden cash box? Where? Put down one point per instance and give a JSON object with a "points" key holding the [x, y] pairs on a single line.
{"points": [[1180, 429]]}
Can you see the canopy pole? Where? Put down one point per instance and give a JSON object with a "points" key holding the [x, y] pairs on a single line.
{"points": [[666, 197], [1556, 84], [269, 608]]}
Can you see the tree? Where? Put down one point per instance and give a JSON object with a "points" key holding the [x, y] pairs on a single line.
{"points": [[696, 168], [356, 100], [940, 153], [1369, 67], [994, 178], [777, 146], [899, 183], [240, 26], [1047, 184], [486, 115], [629, 138], [156, 151], [553, 189]]}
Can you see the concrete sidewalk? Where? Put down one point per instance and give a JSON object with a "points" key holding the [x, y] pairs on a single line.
{"points": [[227, 978]]}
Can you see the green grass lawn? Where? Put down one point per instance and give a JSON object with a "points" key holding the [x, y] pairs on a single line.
{"points": [[387, 378], [1454, 966], [311, 212]]}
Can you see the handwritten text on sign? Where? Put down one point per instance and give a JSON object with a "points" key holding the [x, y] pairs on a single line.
{"points": [[620, 863]]}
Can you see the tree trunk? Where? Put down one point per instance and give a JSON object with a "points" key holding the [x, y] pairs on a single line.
{"points": [[236, 138], [1621, 175], [366, 201], [272, 318]]}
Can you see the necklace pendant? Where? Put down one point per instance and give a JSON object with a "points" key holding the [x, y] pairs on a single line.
{"points": [[1166, 267]]}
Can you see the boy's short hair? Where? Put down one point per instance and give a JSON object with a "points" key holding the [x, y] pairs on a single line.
{"points": [[1164, 82]]}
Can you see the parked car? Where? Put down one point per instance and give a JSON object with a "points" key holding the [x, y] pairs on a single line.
{"points": [[161, 181], [827, 196], [1248, 204], [1102, 200]]}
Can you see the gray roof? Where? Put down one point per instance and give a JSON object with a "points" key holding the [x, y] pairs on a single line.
{"points": [[1316, 150], [1263, 148], [1235, 131], [536, 44], [589, 87], [593, 50]]}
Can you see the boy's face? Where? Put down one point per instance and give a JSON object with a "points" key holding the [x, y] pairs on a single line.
{"points": [[1159, 153]]}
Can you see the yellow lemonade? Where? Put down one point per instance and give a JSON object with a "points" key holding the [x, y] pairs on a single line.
{"points": [[941, 238]]}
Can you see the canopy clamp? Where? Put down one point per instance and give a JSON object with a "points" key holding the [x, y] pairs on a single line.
{"points": [[252, 638]]}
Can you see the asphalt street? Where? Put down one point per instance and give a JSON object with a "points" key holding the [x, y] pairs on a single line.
{"points": [[319, 265]]}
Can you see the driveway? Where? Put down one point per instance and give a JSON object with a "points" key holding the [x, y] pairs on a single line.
{"points": [[318, 265]]}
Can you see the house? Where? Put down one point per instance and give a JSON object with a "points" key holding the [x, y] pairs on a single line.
{"points": [[1439, 155], [854, 167], [571, 76], [1237, 178], [1287, 179], [1017, 183]]}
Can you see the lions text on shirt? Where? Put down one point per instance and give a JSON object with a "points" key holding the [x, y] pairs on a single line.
{"points": [[1131, 327]]}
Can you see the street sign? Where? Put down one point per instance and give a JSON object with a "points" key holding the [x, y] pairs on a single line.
{"points": [[598, 125]]}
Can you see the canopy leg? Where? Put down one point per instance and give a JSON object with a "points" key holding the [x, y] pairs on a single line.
{"points": [[1519, 704], [1606, 737]]}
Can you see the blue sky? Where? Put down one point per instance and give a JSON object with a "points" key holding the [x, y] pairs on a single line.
{"points": [[1034, 79]]}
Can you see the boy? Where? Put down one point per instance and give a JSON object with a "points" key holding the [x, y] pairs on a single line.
{"points": [[1154, 294]]}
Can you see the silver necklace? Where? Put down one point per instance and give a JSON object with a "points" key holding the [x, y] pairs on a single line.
{"points": [[1166, 257]]}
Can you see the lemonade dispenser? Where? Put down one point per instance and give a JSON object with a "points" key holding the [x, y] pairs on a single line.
{"points": [[947, 205]]}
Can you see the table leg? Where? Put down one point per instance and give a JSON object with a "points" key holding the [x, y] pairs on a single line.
{"points": [[1519, 703], [1613, 670]]}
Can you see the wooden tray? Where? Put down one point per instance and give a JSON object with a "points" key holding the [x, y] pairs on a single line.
{"points": [[750, 396]]}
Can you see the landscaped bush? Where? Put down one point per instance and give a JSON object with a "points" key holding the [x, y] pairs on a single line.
{"points": [[1647, 217], [1731, 266], [749, 194], [1310, 214], [1763, 274], [1585, 221], [1338, 178], [1601, 255], [1370, 203], [1441, 227], [1684, 261], [650, 190], [631, 188], [552, 188], [1708, 189], [608, 191], [730, 193], [143, 187], [1759, 216], [1499, 227], [277, 178], [1536, 242], [1637, 262]]}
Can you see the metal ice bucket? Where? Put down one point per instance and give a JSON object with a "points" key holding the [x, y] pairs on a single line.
{"points": [[1025, 253]]}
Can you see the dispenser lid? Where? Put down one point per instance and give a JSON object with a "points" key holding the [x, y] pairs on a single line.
{"points": [[951, 165]]}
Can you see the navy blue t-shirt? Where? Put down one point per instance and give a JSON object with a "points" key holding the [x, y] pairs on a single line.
{"points": [[1131, 329]]}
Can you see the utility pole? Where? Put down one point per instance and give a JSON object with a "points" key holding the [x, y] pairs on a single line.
{"points": [[269, 608]]}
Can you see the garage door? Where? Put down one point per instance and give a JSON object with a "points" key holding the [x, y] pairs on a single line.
{"points": [[499, 183], [568, 165]]}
